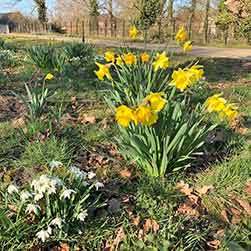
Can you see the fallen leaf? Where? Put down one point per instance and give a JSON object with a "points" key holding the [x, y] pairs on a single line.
{"points": [[184, 188], [224, 215], [215, 244], [141, 235], [188, 210], [18, 123], [84, 118], [235, 219], [155, 226], [136, 220], [248, 187], [120, 235], [243, 130], [147, 225], [245, 205], [64, 247], [204, 190], [125, 173]]}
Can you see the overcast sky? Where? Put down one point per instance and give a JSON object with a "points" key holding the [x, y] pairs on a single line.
{"points": [[25, 6]]}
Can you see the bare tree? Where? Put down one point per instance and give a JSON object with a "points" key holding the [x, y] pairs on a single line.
{"points": [[191, 17], [206, 21]]}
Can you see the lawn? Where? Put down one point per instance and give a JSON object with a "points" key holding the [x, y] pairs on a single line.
{"points": [[99, 192]]}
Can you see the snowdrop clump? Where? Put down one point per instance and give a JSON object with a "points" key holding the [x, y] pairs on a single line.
{"points": [[58, 205]]}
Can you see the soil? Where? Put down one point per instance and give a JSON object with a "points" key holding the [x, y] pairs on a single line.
{"points": [[10, 108]]}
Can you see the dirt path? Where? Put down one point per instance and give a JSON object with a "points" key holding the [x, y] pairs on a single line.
{"points": [[244, 54]]}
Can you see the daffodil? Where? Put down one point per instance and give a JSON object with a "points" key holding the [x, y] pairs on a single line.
{"points": [[124, 115], [129, 58], [229, 111], [109, 56], [181, 35], [215, 103], [196, 73], [49, 76], [145, 115], [181, 79], [103, 71], [156, 100], [133, 32], [187, 46], [161, 61], [119, 61], [145, 57]]}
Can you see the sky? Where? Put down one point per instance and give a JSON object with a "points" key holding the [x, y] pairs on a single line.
{"points": [[24, 6]]}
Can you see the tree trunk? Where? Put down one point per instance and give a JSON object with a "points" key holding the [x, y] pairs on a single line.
{"points": [[190, 19], [170, 18], [110, 13], [206, 22], [160, 20]]}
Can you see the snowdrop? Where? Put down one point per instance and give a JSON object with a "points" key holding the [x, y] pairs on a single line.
{"points": [[98, 185], [77, 172], [25, 195], [12, 189], [43, 235], [31, 208], [38, 196], [82, 215], [67, 193], [91, 175], [55, 164], [57, 222]]}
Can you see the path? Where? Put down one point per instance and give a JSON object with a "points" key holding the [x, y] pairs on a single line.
{"points": [[244, 54]]}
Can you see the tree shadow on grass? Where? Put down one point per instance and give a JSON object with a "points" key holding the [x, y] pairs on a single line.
{"points": [[225, 69]]}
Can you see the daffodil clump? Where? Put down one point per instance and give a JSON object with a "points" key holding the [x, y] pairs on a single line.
{"points": [[146, 113], [182, 39], [54, 207], [225, 110]]}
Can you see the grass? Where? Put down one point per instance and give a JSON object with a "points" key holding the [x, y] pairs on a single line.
{"points": [[130, 200]]}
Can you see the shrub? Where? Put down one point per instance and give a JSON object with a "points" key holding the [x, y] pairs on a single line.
{"points": [[52, 208], [7, 59]]}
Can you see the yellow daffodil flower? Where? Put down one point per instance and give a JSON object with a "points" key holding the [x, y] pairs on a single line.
{"points": [[119, 61], [181, 79], [129, 58], [187, 46], [156, 101], [196, 73], [161, 61], [133, 32], [109, 56], [181, 35], [145, 115], [215, 103], [103, 71], [145, 57], [229, 111], [124, 115], [49, 76]]}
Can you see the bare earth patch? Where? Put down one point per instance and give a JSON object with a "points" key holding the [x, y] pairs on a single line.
{"points": [[10, 108]]}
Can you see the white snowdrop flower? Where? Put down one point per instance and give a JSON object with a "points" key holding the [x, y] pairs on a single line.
{"points": [[78, 173], [38, 196], [43, 235], [25, 195], [82, 215], [57, 222], [55, 164], [12, 189], [49, 230], [91, 175], [67, 193], [98, 185], [85, 184], [31, 208], [46, 184]]}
